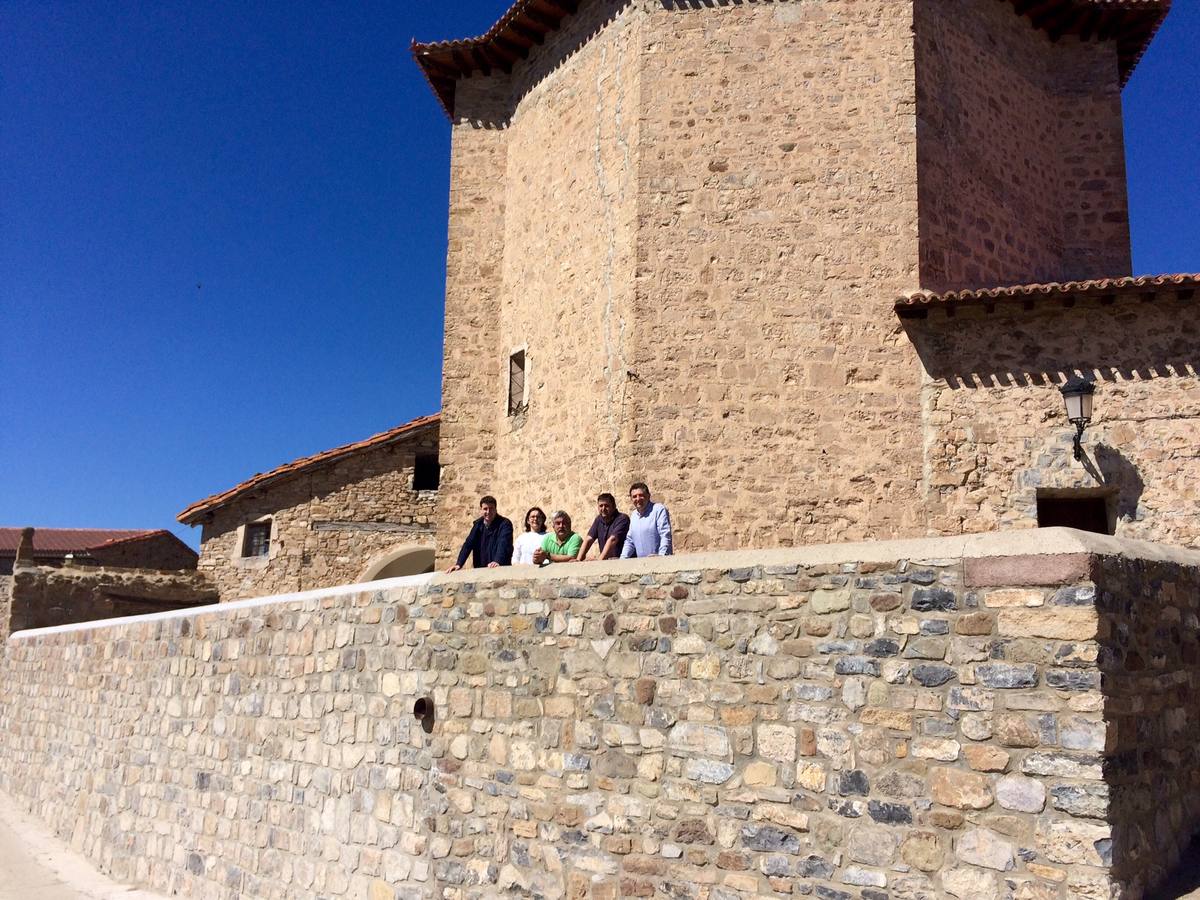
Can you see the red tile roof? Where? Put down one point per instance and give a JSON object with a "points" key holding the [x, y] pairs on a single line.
{"points": [[58, 541], [1132, 23], [191, 515], [918, 302]]}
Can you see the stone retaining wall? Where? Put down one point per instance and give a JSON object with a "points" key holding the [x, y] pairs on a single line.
{"points": [[997, 716]]}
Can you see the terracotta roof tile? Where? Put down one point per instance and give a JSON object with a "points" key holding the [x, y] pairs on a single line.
{"points": [[57, 541], [190, 515], [918, 301], [1132, 23]]}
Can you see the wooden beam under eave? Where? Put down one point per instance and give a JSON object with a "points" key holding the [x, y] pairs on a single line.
{"points": [[543, 21], [566, 7], [528, 34], [481, 61], [1066, 22], [1041, 12], [1090, 25], [507, 46], [437, 66]]}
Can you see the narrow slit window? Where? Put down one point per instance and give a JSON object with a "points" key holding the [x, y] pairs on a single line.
{"points": [[257, 540], [427, 472], [516, 383]]}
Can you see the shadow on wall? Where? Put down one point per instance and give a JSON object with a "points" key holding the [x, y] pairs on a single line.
{"points": [[1133, 340], [1117, 472], [1149, 663]]}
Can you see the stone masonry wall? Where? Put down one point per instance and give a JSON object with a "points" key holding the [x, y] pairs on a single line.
{"points": [[6, 582], [995, 430], [777, 215], [474, 364], [967, 718], [567, 285], [328, 523], [46, 596], [1150, 668], [1021, 151], [542, 261], [156, 551]]}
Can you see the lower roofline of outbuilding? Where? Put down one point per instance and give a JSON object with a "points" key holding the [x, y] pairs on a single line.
{"points": [[918, 304]]}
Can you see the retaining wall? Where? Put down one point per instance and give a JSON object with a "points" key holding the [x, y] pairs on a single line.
{"points": [[994, 716]]}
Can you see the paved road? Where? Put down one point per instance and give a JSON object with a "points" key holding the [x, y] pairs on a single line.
{"points": [[35, 865]]}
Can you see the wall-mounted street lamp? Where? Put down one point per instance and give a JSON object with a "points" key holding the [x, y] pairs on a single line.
{"points": [[1077, 395]]}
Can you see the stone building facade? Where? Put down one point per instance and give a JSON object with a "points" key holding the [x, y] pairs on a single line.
{"points": [[355, 513], [717, 244]]}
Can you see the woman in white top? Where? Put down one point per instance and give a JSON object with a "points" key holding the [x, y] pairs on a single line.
{"points": [[535, 533]]}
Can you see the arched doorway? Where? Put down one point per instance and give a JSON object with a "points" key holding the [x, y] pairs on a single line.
{"points": [[409, 560]]}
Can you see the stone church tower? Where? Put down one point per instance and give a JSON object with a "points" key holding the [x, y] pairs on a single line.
{"points": [[717, 246]]}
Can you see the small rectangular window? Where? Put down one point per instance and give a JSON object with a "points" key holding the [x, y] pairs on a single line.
{"points": [[516, 383], [257, 540], [427, 472], [1087, 512]]}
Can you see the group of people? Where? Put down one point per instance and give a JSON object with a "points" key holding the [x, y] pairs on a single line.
{"points": [[646, 531]]}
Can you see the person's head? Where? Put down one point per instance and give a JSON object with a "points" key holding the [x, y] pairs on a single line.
{"points": [[487, 506], [606, 505], [639, 494], [562, 525], [535, 520]]}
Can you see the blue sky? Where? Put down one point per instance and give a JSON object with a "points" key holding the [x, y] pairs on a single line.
{"points": [[222, 237]]}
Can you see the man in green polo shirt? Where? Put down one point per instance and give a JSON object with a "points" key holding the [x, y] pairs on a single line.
{"points": [[561, 544]]}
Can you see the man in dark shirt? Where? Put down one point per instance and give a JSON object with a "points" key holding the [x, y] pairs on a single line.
{"points": [[490, 543], [608, 530]]}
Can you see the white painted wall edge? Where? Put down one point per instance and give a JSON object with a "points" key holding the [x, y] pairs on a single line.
{"points": [[1022, 542], [252, 603]]}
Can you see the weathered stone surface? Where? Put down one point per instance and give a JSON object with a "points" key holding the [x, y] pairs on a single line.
{"points": [[1013, 730], [769, 838], [935, 748], [823, 602], [872, 845], [969, 884], [986, 758], [707, 770], [932, 675], [1058, 623], [1004, 676], [1021, 794], [1083, 800], [960, 789], [1008, 597], [982, 847], [1081, 843], [705, 740], [933, 599], [777, 742], [923, 851]]}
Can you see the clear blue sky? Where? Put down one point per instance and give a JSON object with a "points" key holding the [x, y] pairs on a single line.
{"points": [[223, 226]]}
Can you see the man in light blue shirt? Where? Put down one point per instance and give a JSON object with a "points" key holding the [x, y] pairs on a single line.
{"points": [[649, 526]]}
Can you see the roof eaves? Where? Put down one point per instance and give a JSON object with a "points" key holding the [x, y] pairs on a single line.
{"points": [[191, 514], [522, 26], [917, 303]]}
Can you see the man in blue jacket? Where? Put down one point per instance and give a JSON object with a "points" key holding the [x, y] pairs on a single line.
{"points": [[490, 543]]}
